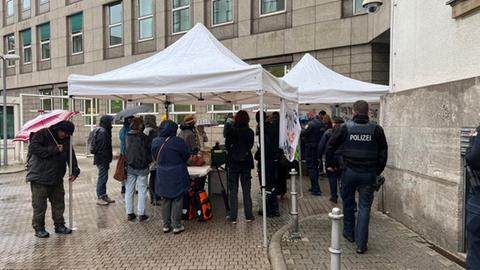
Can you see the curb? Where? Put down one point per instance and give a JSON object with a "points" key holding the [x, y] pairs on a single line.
{"points": [[275, 254], [13, 170]]}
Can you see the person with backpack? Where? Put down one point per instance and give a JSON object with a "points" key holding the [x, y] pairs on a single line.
{"points": [[171, 155], [151, 131], [48, 156], [472, 159], [138, 157], [102, 150], [239, 143]]}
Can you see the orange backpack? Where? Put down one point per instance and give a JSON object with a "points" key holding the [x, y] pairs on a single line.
{"points": [[203, 206]]}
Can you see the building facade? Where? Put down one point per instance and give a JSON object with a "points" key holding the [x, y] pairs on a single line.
{"points": [[61, 37], [433, 102]]}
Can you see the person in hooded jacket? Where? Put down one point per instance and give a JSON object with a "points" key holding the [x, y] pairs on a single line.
{"points": [[151, 131], [138, 158], [171, 155], [48, 156], [239, 143], [103, 157]]}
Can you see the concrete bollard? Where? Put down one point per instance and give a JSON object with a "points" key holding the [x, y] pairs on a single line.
{"points": [[295, 234], [335, 250]]}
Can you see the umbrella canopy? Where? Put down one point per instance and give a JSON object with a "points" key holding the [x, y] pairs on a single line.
{"points": [[131, 111], [207, 122], [43, 121], [318, 84]]}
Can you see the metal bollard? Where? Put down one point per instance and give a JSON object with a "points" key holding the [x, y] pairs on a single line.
{"points": [[335, 250], [295, 234]]}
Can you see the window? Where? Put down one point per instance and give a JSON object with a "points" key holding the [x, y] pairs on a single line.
{"points": [[10, 8], [115, 106], [179, 111], [278, 70], [44, 2], [65, 100], [10, 39], [152, 108], [115, 29], [357, 7], [44, 38], [219, 112], [222, 11], [181, 15], [10, 122], [145, 19], [90, 111], [26, 46], [271, 6], [46, 103], [76, 33], [26, 5]]}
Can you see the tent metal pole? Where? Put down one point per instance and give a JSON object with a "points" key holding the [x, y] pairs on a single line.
{"points": [[70, 172], [22, 143], [262, 164], [300, 170]]}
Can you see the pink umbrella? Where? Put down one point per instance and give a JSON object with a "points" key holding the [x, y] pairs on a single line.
{"points": [[43, 121]]}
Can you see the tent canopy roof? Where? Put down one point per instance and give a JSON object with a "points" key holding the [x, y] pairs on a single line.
{"points": [[318, 84], [195, 69]]}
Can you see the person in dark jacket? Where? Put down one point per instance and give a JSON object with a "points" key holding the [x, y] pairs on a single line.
{"points": [[312, 134], [138, 158], [228, 124], [151, 130], [122, 134], [280, 162], [239, 143], [189, 134], [472, 158], [270, 152], [48, 155], [363, 154], [103, 157], [333, 175], [172, 182]]}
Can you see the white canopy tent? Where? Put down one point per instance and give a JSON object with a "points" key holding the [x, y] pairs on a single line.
{"points": [[197, 69], [318, 84]]}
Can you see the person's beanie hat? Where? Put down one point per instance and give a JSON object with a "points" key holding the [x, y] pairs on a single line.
{"points": [[338, 120], [65, 126]]}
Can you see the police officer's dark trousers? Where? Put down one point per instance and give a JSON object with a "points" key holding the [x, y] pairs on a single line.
{"points": [[56, 195], [361, 181], [473, 230]]}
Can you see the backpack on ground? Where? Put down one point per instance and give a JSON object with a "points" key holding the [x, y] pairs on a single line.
{"points": [[203, 206], [92, 140]]}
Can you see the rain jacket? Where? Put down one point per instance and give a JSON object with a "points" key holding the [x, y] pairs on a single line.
{"points": [[46, 165], [172, 179], [103, 142]]}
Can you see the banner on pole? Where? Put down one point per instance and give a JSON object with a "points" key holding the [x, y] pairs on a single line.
{"points": [[289, 129]]}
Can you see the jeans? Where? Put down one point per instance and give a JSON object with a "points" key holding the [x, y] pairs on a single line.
{"points": [[473, 231], [56, 196], [172, 212], [102, 180], [333, 178], [246, 182], [140, 181], [351, 182]]}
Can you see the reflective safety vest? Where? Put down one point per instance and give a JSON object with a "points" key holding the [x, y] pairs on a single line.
{"points": [[361, 144]]}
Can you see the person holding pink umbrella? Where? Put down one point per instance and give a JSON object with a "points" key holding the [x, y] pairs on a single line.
{"points": [[48, 156]]}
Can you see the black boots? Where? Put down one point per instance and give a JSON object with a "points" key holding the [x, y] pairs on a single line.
{"points": [[41, 233], [62, 229]]}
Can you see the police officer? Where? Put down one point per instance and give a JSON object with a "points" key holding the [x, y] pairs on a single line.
{"points": [[312, 134], [363, 153], [472, 159]]}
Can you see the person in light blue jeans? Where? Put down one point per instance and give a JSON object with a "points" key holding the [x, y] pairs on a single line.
{"points": [[138, 157]]}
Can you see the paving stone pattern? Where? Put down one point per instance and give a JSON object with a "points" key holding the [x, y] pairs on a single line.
{"points": [[391, 246], [103, 239]]}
